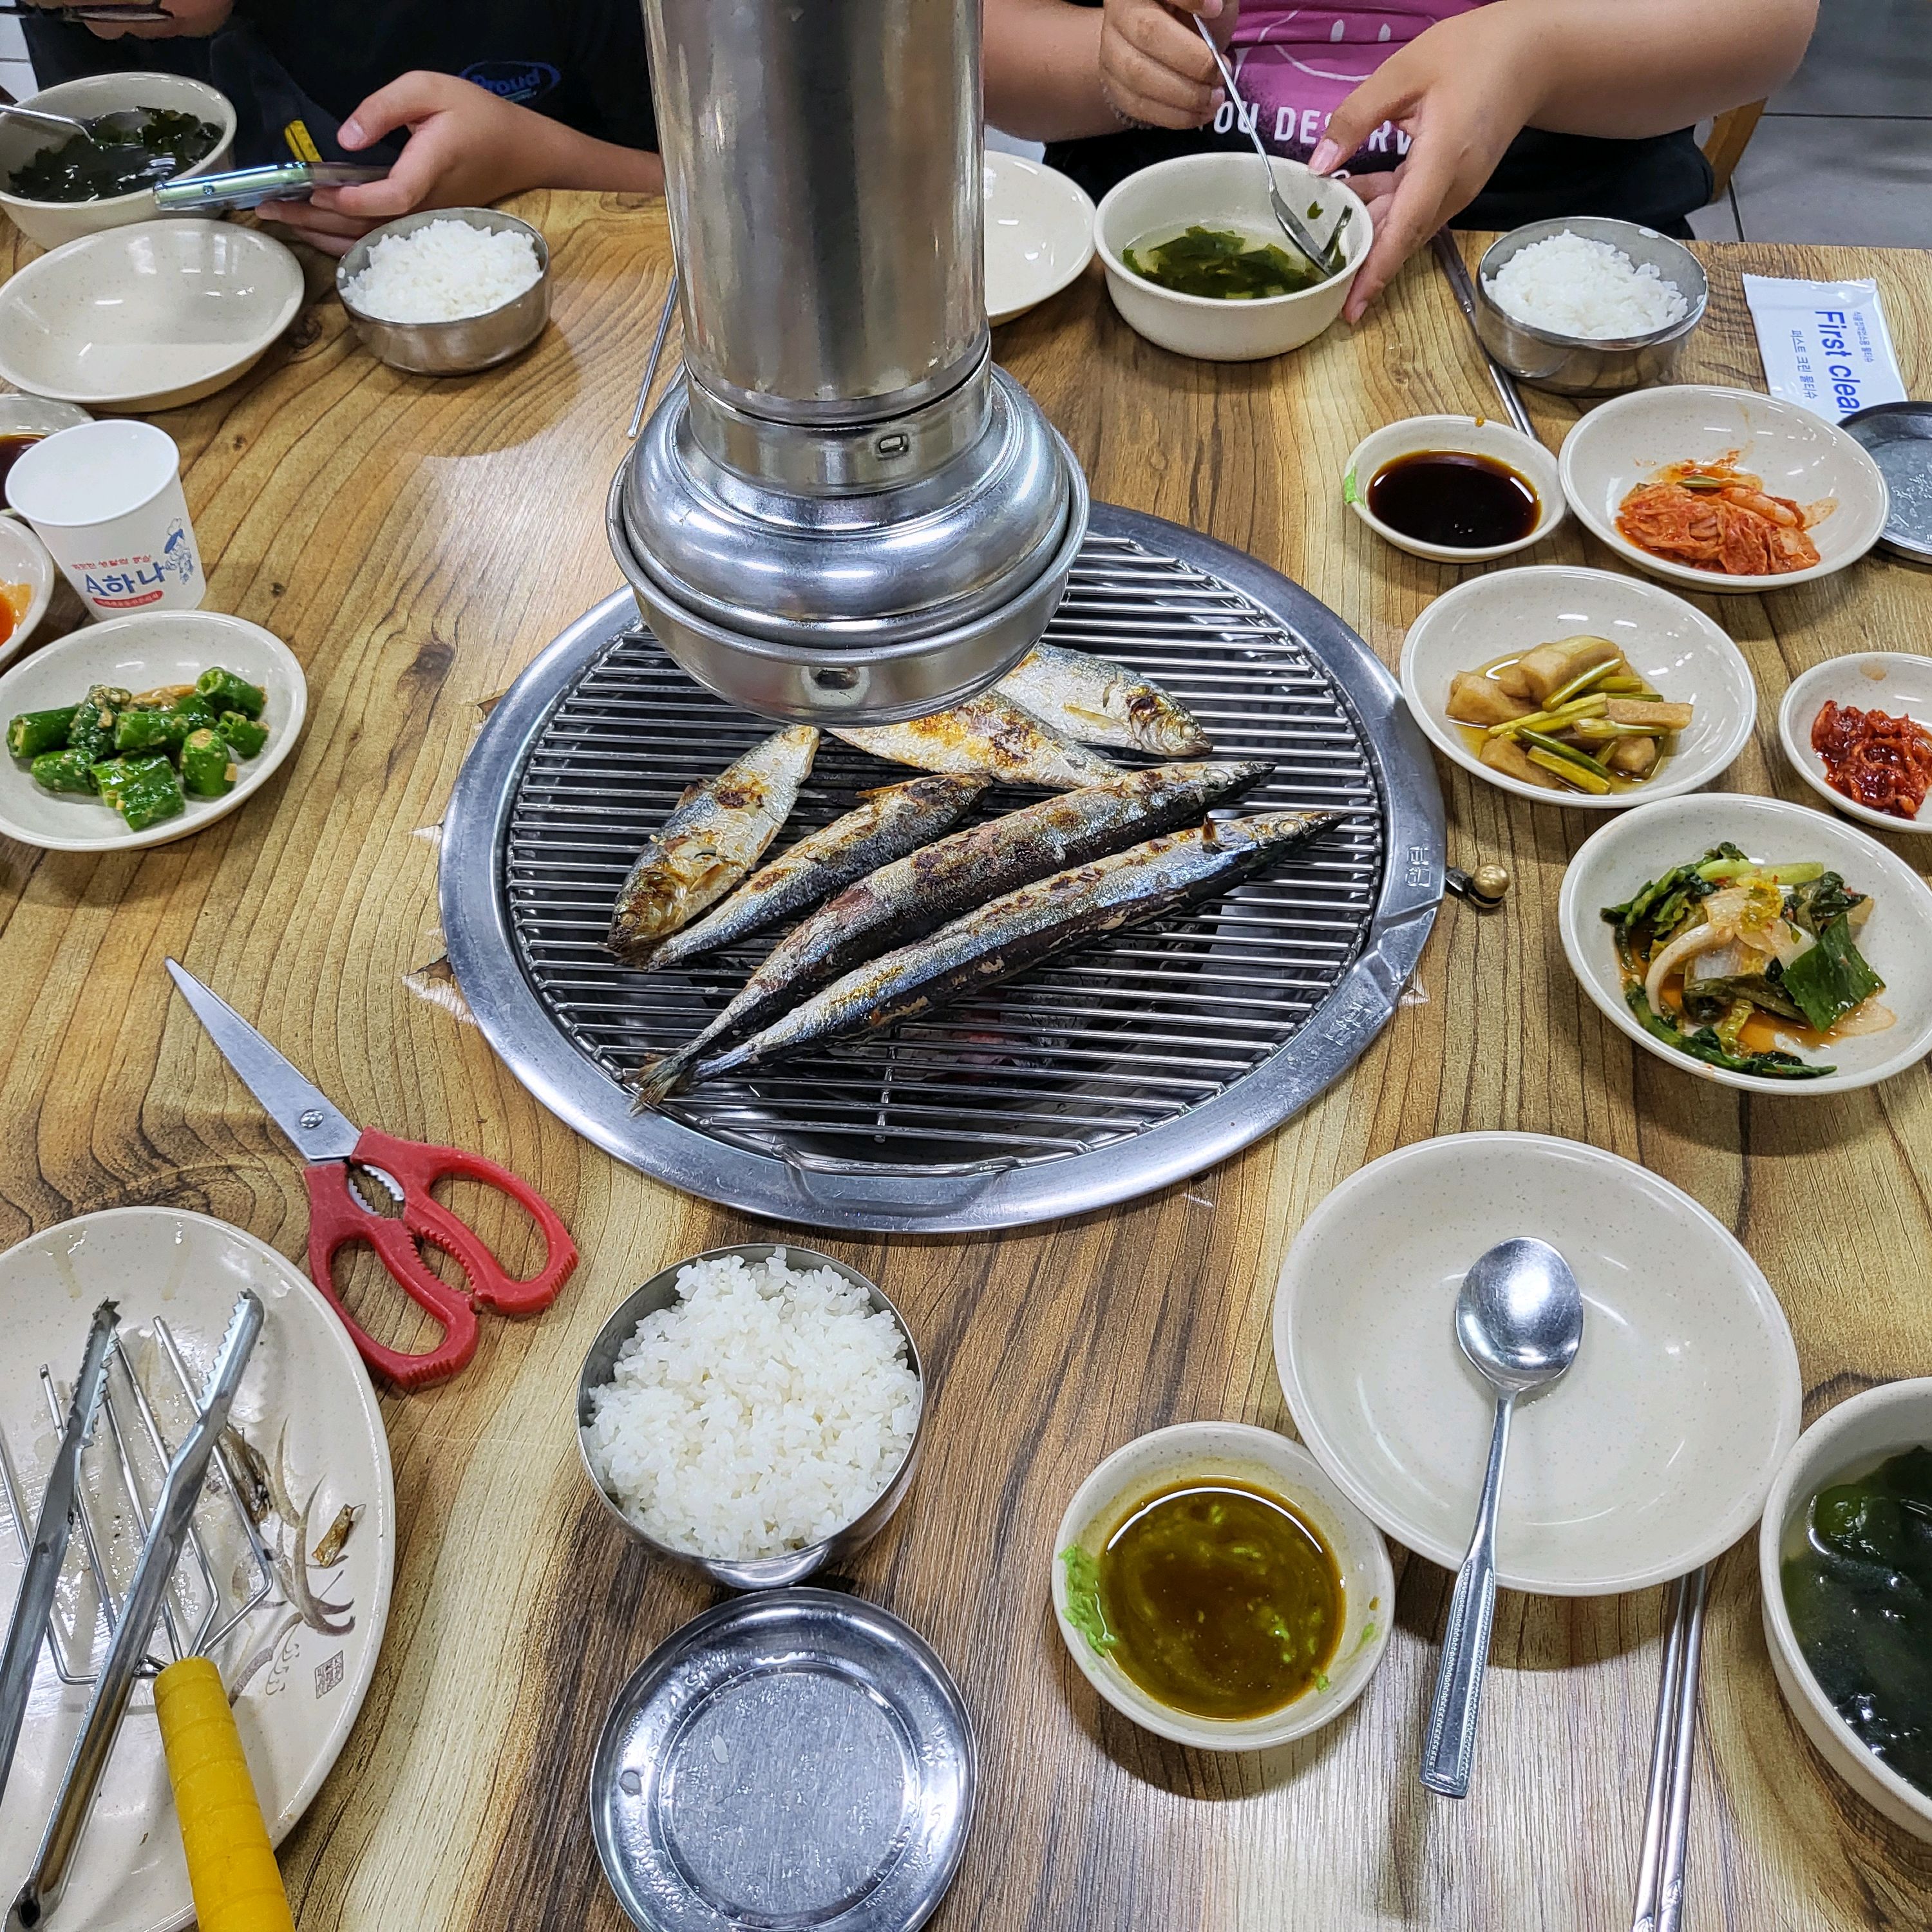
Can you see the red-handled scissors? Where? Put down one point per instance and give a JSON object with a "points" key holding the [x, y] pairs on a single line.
{"points": [[338, 1216]]}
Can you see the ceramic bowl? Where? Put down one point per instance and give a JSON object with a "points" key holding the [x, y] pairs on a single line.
{"points": [[1224, 188], [139, 653], [147, 317], [1204, 1451], [1651, 1457], [462, 347], [1616, 861], [25, 560], [1627, 442], [22, 415], [1470, 436], [51, 224], [1672, 643], [1577, 365], [1889, 681], [1846, 1441], [755, 1573], [1040, 234]]}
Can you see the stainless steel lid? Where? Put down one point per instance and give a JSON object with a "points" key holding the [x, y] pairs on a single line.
{"points": [[1899, 436], [798, 1759]]}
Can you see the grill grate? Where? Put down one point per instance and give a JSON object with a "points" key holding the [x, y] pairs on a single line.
{"points": [[1102, 1045]]}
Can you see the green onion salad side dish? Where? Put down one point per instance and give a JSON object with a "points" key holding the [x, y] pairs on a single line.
{"points": [[1742, 965], [1857, 1576], [1227, 264]]}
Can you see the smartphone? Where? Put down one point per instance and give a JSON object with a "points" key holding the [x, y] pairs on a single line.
{"points": [[249, 188]]}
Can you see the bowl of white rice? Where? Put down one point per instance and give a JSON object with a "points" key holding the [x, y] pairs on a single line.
{"points": [[447, 291], [754, 1412], [1586, 306]]}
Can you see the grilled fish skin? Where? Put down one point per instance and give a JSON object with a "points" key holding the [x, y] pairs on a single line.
{"points": [[1024, 927], [988, 735], [718, 832], [1095, 701], [915, 896], [890, 822]]}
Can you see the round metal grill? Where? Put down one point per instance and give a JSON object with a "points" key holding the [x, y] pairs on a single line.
{"points": [[1023, 1102]]}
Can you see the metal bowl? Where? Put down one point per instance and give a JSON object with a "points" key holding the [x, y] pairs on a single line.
{"points": [[758, 1572], [1572, 365], [457, 348]]}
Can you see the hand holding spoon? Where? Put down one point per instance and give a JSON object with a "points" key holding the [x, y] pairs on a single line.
{"points": [[1519, 1318]]}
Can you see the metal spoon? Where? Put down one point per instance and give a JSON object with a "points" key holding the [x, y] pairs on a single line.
{"points": [[1519, 1318], [114, 129]]}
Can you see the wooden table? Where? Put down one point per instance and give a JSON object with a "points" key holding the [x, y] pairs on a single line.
{"points": [[417, 542]]}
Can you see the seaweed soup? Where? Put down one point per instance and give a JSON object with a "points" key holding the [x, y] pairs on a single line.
{"points": [[160, 146], [1227, 263]]}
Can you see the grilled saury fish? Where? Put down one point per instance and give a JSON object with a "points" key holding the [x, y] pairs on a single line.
{"points": [[1095, 701], [915, 896], [1024, 927], [989, 735], [718, 832], [890, 822]]}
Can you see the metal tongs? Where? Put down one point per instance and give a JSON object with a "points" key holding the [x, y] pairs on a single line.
{"points": [[1328, 257]]}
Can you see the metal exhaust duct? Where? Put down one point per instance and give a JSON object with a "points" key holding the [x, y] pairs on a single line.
{"points": [[842, 513]]}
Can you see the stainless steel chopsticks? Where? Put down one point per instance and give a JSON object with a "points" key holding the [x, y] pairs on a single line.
{"points": [[1450, 258], [657, 352], [1659, 1882]]}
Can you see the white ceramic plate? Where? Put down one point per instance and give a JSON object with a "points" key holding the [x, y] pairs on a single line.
{"points": [[1040, 234], [24, 559], [1205, 1451], [148, 316], [139, 653], [1889, 681], [307, 1391], [1621, 444], [1682, 653], [1615, 862], [1651, 1457], [1468, 436]]}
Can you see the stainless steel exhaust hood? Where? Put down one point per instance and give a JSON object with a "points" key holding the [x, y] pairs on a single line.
{"points": [[842, 513]]}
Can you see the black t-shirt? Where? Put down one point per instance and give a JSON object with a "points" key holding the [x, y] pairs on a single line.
{"points": [[579, 61]]}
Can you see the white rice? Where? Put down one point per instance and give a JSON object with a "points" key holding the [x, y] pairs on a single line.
{"points": [[761, 1412], [1572, 285], [443, 272]]}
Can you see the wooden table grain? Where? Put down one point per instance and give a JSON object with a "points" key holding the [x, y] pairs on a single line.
{"points": [[417, 542]]}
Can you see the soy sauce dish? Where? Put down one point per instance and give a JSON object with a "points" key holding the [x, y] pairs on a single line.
{"points": [[1213, 1584], [1454, 489]]}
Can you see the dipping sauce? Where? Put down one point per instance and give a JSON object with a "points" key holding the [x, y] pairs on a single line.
{"points": [[159, 146], [1228, 264], [13, 447], [1858, 1585], [1216, 1597], [1454, 499]]}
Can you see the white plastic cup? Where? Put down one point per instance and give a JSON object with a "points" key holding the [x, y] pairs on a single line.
{"points": [[106, 499]]}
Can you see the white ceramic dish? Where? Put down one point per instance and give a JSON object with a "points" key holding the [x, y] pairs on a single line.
{"points": [[305, 1390], [1889, 681], [1617, 860], [24, 559], [1672, 643], [1468, 436], [1207, 1451], [1224, 188], [1844, 1441], [1651, 1457], [51, 224], [147, 317], [1625, 442], [1040, 234], [139, 653]]}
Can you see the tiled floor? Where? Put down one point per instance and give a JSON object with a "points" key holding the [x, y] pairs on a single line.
{"points": [[1844, 152]]}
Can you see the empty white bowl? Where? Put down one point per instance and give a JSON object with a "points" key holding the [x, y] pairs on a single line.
{"points": [[140, 653], [1203, 1451], [1624, 443], [1847, 1441], [1652, 1455], [1889, 681], [1682, 653], [1040, 234], [1224, 190], [1467, 436], [1616, 861], [149, 316], [53, 223]]}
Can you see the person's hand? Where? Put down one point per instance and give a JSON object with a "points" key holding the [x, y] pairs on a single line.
{"points": [[467, 148], [1462, 91], [1154, 68]]}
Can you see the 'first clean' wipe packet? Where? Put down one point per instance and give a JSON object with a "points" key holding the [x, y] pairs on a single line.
{"points": [[1825, 344]]}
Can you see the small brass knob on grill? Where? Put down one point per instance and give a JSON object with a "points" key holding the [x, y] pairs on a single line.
{"points": [[1485, 888]]}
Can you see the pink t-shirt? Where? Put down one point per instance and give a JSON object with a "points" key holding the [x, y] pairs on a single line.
{"points": [[1295, 65]]}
